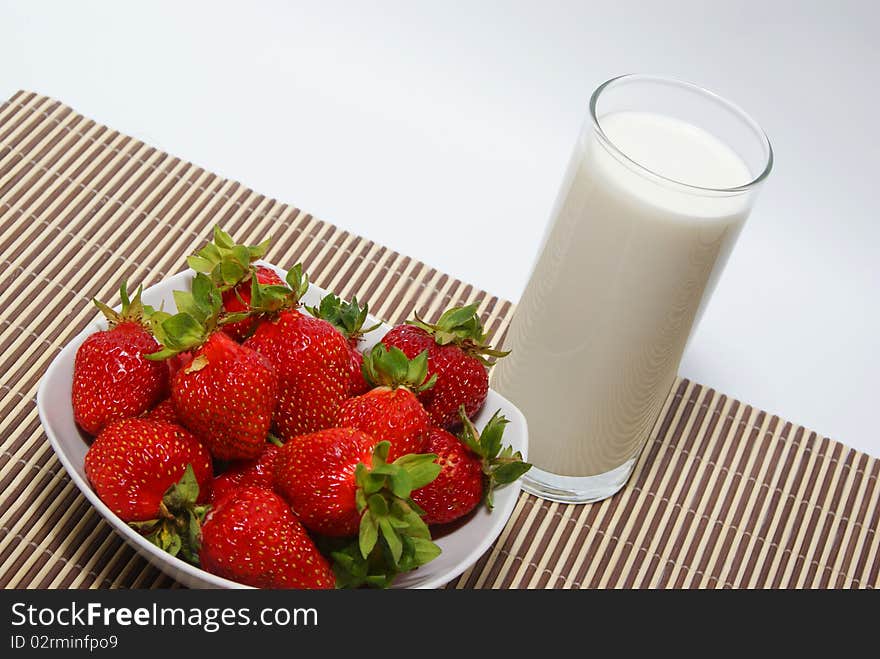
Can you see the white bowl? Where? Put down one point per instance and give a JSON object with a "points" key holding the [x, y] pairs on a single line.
{"points": [[460, 547]]}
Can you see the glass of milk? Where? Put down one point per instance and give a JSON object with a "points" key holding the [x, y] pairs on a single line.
{"points": [[662, 178]]}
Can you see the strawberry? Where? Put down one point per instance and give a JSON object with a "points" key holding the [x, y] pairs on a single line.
{"points": [[152, 474], [391, 410], [164, 411], [316, 474], [339, 484], [358, 384], [252, 537], [177, 362], [134, 461], [457, 354], [230, 267], [472, 466], [348, 318], [227, 394], [458, 488], [244, 473], [227, 397], [310, 357], [111, 378]]}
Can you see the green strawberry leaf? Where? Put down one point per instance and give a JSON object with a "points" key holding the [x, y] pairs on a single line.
{"points": [[242, 255], [490, 437], [222, 239], [373, 483], [183, 493], [417, 368], [378, 506], [185, 303], [231, 272], [360, 496], [421, 468], [184, 330], [425, 551], [391, 536], [171, 542], [380, 454], [297, 280], [458, 317], [199, 313], [508, 473], [258, 251], [212, 253], [199, 263], [469, 435], [416, 525], [368, 534], [353, 570], [228, 318], [400, 483], [205, 295]]}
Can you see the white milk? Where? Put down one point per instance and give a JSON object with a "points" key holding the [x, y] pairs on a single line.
{"points": [[627, 260]]}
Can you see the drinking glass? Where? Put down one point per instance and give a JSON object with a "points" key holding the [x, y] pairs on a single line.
{"points": [[662, 178]]}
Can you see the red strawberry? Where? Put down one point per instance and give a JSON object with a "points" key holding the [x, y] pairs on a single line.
{"points": [[227, 394], [256, 473], [391, 411], [457, 355], [316, 474], [238, 299], [348, 318], [359, 384], [310, 357], [164, 411], [339, 484], [471, 467], [177, 362], [252, 537], [134, 461], [458, 488], [111, 378]]}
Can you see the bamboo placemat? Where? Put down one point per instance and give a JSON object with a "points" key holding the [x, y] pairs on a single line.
{"points": [[725, 496]]}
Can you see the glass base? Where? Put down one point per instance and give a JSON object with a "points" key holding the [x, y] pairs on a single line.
{"points": [[577, 489]]}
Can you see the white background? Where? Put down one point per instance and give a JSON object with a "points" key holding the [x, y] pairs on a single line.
{"points": [[442, 130]]}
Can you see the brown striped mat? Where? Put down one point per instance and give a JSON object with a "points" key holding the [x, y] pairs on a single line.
{"points": [[725, 496]]}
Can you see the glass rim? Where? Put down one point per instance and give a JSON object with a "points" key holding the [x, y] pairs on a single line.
{"points": [[732, 107]]}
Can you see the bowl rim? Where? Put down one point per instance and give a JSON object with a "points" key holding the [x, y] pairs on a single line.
{"points": [[140, 544]]}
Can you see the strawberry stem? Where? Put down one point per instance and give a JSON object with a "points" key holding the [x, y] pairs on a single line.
{"points": [[199, 314], [268, 300], [500, 465], [390, 367], [461, 326], [133, 310], [392, 537], [347, 317], [177, 529], [226, 262]]}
